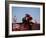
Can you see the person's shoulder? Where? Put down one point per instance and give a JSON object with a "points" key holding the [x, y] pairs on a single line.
{"points": [[23, 18]]}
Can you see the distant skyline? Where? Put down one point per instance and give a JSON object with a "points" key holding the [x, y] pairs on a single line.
{"points": [[20, 12]]}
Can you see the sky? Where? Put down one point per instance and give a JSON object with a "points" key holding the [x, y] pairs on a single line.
{"points": [[20, 12]]}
